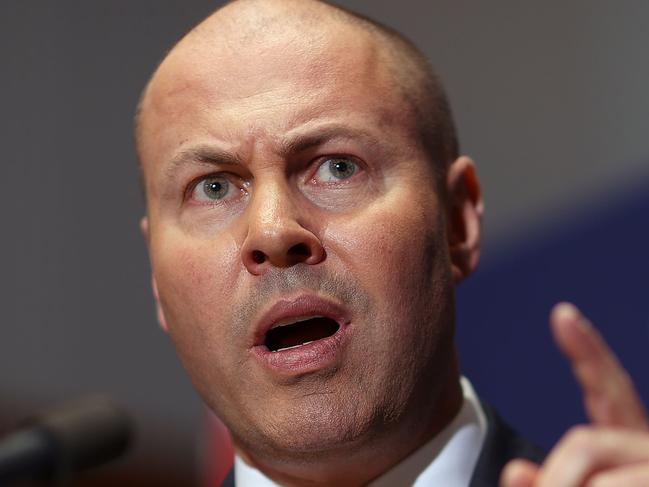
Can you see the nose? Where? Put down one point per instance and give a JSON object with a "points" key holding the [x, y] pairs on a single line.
{"points": [[278, 234]]}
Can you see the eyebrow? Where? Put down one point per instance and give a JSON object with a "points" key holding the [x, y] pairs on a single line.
{"points": [[302, 142], [210, 155], [203, 154]]}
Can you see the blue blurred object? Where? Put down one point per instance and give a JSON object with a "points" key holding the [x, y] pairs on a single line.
{"points": [[599, 261]]}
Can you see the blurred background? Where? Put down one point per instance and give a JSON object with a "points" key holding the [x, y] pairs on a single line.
{"points": [[550, 98]]}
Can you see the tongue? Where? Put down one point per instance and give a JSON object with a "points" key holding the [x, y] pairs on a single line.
{"points": [[300, 333]]}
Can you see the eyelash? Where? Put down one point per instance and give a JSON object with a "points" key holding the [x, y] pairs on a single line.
{"points": [[196, 184], [358, 168]]}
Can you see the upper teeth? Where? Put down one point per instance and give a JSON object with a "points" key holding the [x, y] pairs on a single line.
{"points": [[293, 320], [294, 346]]}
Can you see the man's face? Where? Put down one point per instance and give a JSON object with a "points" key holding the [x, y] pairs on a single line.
{"points": [[286, 183]]}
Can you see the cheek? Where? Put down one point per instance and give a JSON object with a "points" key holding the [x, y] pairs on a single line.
{"points": [[401, 258], [398, 253], [198, 288], [391, 241], [195, 280]]}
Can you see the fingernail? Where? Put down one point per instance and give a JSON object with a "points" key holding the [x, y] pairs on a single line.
{"points": [[566, 311], [569, 312]]}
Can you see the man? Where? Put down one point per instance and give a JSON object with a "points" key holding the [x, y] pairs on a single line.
{"points": [[308, 215]]}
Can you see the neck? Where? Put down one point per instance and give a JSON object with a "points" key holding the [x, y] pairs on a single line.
{"points": [[377, 455]]}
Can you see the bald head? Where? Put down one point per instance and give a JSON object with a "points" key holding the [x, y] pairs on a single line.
{"points": [[301, 25], [293, 155]]}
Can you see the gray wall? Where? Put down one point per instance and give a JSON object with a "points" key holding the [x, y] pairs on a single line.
{"points": [[550, 98]]}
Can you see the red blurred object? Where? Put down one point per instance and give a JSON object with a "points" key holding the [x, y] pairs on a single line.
{"points": [[218, 452]]}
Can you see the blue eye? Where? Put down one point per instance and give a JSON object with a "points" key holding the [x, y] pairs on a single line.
{"points": [[212, 188], [336, 169]]}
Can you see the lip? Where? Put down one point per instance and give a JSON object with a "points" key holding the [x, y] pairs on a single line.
{"points": [[311, 356]]}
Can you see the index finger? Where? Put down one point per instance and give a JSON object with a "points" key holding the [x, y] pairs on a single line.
{"points": [[610, 397]]}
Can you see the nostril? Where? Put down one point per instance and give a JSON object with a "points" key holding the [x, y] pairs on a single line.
{"points": [[258, 256], [301, 250]]}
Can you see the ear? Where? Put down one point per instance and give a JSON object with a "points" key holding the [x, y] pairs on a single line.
{"points": [[144, 228], [464, 215]]}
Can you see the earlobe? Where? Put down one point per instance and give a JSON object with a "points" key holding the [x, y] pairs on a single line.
{"points": [[464, 215], [144, 228], [159, 312]]}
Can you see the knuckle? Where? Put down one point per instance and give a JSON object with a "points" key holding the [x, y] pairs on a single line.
{"points": [[579, 435], [580, 440]]}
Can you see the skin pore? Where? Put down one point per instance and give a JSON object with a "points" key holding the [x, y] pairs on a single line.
{"points": [[322, 187]]}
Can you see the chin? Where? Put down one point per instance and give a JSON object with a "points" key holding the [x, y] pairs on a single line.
{"points": [[311, 428]]}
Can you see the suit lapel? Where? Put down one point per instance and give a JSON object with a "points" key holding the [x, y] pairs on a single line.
{"points": [[501, 445]]}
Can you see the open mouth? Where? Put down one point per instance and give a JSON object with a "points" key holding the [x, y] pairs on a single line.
{"points": [[298, 332]]}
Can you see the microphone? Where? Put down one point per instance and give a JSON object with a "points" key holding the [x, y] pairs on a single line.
{"points": [[55, 445]]}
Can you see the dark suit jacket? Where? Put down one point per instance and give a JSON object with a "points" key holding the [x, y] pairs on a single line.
{"points": [[501, 444]]}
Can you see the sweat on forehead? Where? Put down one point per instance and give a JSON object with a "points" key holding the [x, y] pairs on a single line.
{"points": [[296, 27]]}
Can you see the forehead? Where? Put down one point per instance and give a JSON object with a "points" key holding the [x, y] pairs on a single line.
{"points": [[233, 83]]}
